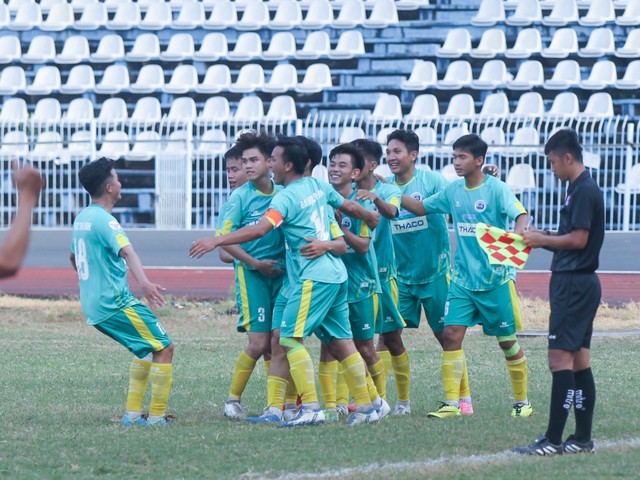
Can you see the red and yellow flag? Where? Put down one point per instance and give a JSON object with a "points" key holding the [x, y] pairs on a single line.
{"points": [[502, 247]]}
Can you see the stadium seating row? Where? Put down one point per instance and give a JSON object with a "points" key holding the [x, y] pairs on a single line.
{"points": [[158, 16], [563, 12], [214, 46], [151, 79], [216, 110], [494, 74], [564, 43]]}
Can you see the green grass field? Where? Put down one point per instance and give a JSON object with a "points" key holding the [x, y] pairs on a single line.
{"points": [[62, 383]]}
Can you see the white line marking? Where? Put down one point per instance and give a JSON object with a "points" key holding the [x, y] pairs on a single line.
{"points": [[436, 462]]}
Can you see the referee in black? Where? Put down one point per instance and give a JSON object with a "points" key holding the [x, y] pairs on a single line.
{"points": [[574, 294]]}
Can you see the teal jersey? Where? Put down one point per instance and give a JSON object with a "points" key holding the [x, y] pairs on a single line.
{"points": [[102, 273], [492, 203], [301, 211], [421, 243], [246, 206], [220, 219], [292, 264], [382, 238], [362, 269]]}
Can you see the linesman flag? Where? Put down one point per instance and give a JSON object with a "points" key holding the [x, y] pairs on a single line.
{"points": [[502, 247]]}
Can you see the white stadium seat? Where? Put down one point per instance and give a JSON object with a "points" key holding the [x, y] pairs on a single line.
{"points": [[150, 79], [316, 79], [316, 45], [145, 47], [46, 81], [179, 48], [599, 13], [457, 76], [42, 49], [250, 110], [75, 50], [493, 42], [81, 80], [603, 75], [565, 75], [631, 78], [456, 44], [281, 47], [489, 13], [115, 79], [10, 49], [528, 42], [526, 13], [631, 47], [250, 79], [213, 47], [247, 47], [110, 49], [494, 74], [319, 15], [530, 75], [183, 80], [288, 16], [216, 80], [600, 43], [563, 44], [350, 45], [283, 78], [562, 14], [423, 75]]}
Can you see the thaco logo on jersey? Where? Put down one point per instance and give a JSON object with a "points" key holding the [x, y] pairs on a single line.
{"points": [[409, 225], [466, 229], [480, 206]]}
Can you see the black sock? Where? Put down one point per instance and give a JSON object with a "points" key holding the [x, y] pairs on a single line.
{"points": [[562, 388], [585, 401]]}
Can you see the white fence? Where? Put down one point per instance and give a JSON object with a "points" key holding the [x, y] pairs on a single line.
{"points": [[173, 173]]}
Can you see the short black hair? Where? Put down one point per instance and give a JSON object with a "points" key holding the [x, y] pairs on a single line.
{"points": [[295, 152], [564, 141], [263, 141], [472, 143], [408, 137], [357, 160], [314, 149], [232, 153], [94, 175], [368, 148]]}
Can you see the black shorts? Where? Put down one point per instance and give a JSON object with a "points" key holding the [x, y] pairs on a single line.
{"points": [[574, 299]]}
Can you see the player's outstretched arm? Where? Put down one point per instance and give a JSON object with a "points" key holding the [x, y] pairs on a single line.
{"points": [[352, 209], [14, 247], [243, 235], [316, 248], [268, 268], [412, 205], [358, 243], [225, 256], [152, 291], [385, 209]]}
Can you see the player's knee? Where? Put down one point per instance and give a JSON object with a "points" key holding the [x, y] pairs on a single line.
{"points": [[393, 342]]}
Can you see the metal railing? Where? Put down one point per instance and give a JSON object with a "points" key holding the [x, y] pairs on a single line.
{"points": [[185, 182]]}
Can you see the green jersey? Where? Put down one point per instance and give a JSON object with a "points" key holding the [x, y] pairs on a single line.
{"points": [[362, 269], [493, 203], [301, 210], [421, 243], [246, 206], [220, 219], [102, 273], [382, 239]]}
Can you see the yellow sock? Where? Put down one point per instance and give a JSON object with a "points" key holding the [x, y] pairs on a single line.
{"points": [[327, 379], [377, 371], [452, 367], [342, 389], [244, 368], [303, 375], [291, 394], [465, 389], [355, 376], [161, 377], [385, 356], [276, 387], [138, 379], [518, 373], [402, 374], [371, 387], [267, 366]]}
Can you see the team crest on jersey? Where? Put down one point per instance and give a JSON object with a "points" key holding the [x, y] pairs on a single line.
{"points": [[114, 225], [480, 206], [416, 196], [346, 222]]}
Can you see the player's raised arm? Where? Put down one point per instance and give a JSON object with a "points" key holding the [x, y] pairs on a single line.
{"points": [[385, 209], [352, 209], [14, 247], [243, 235], [414, 206]]}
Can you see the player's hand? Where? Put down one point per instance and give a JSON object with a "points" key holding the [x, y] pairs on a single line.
{"points": [[373, 220], [268, 268], [314, 249], [28, 180], [366, 195], [202, 246], [534, 238], [380, 178], [492, 170], [153, 293]]}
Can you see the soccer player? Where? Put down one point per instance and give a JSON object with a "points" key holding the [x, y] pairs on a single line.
{"points": [[101, 254], [389, 324], [259, 271], [345, 165], [14, 247], [423, 280], [318, 303], [236, 178], [574, 297], [480, 292]]}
